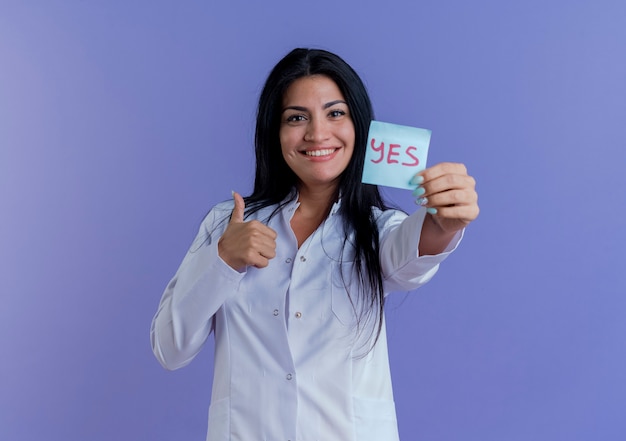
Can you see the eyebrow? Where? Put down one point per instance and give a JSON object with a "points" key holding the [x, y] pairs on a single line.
{"points": [[326, 106]]}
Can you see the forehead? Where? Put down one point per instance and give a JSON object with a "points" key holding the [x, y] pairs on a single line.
{"points": [[313, 88]]}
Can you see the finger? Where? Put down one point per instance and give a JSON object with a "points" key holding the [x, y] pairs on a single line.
{"points": [[441, 169], [465, 213], [268, 250], [260, 239], [259, 256], [261, 262], [453, 198], [238, 210], [255, 225], [449, 182]]}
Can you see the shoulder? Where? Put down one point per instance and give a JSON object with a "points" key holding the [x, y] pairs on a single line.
{"points": [[221, 212], [216, 219], [224, 207]]}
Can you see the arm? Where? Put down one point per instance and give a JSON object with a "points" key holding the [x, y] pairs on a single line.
{"points": [[210, 274], [412, 248], [201, 285], [403, 267]]}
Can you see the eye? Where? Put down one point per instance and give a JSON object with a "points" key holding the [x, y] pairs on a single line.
{"points": [[296, 117], [337, 113]]}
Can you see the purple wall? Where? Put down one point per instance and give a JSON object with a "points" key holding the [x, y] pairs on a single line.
{"points": [[121, 123]]}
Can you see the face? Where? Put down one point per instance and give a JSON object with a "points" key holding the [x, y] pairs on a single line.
{"points": [[316, 131]]}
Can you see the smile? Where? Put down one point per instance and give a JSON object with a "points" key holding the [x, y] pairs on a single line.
{"points": [[322, 152]]}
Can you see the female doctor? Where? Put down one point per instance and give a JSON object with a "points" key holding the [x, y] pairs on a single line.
{"points": [[292, 279]]}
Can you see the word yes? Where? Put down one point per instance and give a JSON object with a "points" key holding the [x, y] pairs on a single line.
{"points": [[393, 151]]}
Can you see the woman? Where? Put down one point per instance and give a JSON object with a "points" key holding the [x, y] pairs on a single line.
{"points": [[292, 279]]}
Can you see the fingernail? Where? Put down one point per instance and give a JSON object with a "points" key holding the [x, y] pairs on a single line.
{"points": [[416, 180], [232, 193], [431, 210], [418, 192], [421, 201]]}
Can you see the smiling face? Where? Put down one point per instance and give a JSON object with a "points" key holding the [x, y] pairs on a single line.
{"points": [[316, 131]]}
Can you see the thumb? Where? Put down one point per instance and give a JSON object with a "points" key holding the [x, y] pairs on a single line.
{"points": [[240, 205]]}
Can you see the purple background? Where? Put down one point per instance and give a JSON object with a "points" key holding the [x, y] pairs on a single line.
{"points": [[122, 123]]}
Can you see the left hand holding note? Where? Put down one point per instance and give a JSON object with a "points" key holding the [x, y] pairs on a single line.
{"points": [[449, 193], [396, 157]]}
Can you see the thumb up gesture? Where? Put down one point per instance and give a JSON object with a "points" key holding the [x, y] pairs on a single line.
{"points": [[246, 243]]}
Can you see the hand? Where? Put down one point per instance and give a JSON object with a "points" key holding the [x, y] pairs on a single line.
{"points": [[450, 193], [246, 243]]}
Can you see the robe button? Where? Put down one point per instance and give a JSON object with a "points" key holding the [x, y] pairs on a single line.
{"points": [[275, 312], [298, 314]]}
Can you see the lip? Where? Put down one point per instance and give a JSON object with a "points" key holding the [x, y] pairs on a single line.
{"points": [[320, 153]]}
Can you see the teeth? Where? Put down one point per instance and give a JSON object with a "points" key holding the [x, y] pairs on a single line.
{"points": [[322, 152]]}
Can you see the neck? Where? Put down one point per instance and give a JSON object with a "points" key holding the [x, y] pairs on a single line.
{"points": [[313, 209], [316, 202]]}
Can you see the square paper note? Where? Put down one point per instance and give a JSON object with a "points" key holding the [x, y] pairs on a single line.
{"points": [[394, 154]]}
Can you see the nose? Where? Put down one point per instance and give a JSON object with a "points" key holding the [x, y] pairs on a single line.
{"points": [[317, 130]]}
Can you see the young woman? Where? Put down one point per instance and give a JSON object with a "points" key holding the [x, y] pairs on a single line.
{"points": [[292, 279]]}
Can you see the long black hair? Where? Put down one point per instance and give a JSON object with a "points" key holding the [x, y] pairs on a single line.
{"points": [[275, 181]]}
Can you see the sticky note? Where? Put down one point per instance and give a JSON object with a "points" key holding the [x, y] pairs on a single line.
{"points": [[394, 154]]}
